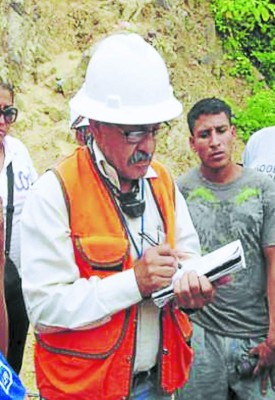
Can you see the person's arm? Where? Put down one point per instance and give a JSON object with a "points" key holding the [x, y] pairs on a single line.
{"points": [[266, 350], [270, 257], [55, 295], [3, 311]]}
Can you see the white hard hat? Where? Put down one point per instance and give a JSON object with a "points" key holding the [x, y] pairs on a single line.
{"points": [[126, 82]]}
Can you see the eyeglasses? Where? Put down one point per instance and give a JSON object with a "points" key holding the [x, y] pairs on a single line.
{"points": [[9, 113], [135, 137]]}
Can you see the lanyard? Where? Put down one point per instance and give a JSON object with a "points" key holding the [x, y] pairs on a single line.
{"points": [[138, 250]]}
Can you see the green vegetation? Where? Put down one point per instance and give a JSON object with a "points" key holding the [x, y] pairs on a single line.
{"points": [[248, 32], [258, 113]]}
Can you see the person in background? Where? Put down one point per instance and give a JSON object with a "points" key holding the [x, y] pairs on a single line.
{"points": [[59, 82], [16, 177], [10, 385], [234, 336], [101, 232], [81, 128], [259, 151]]}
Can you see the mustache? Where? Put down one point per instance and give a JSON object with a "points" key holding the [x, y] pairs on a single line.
{"points": [[140, 156]]}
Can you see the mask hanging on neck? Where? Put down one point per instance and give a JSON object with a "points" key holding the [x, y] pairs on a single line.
{"points": [[130, 205]]}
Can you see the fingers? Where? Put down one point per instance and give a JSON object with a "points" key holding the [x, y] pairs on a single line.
{"points": [[207, 288], [160, 261], [267, 374], [160, 255], [272, 378], [155, 269], [181, 255], [193, 291], [223, 280], [165, 272], [164, 250], [265, 367], [151, 280], [264, 375], [265, 353], [254, 351]]}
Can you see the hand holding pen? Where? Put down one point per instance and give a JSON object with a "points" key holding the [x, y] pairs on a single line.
{"points": [[155, 269]]}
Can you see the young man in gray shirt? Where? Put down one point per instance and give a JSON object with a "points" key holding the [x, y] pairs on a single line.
{"points": [[234, 337]]}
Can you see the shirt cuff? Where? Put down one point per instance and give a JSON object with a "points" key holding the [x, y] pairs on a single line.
{"points": [[119, 291]]}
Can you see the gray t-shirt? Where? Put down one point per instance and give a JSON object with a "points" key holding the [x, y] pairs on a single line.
{"points": [[243, 209]]}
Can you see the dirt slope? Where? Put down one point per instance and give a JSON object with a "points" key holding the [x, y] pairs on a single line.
{"points": [[65, 31]]}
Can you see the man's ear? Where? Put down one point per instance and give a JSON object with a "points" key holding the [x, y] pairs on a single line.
{"points": [[192, 143], [233, 130]]}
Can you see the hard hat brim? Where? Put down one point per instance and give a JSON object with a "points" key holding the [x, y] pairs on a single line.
{"points": [[125, 115]]}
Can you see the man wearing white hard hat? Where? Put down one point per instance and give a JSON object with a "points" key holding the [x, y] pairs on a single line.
{"points": [[101, 232]]}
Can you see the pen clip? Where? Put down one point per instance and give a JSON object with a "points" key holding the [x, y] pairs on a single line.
{"points": [[148, 239]]}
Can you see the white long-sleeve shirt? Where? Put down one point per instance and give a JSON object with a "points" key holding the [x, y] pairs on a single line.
{"points": [[56, 297], [24, 175]]}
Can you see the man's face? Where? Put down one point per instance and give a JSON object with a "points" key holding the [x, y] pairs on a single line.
{"points": [[212, 140], [131, 160]]}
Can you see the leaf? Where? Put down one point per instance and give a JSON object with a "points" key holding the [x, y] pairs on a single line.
{"points": [[265, 14]]}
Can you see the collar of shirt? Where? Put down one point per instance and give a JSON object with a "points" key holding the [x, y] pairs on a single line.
{"points": [[109, 172]]}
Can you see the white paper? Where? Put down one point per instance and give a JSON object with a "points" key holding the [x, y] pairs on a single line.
{"points": [[220, 262]]}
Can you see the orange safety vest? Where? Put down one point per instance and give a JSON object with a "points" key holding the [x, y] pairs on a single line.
{"points": [[98, 363]]}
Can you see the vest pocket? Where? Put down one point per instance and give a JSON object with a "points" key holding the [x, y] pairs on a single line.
{"points": [[96, 343], [102, 253]]}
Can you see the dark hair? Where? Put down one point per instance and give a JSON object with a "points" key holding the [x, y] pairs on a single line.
{"points": [[207, 107], [8, 87]]}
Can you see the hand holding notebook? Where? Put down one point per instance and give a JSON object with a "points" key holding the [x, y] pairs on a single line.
{"points": [[220, 262]]}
